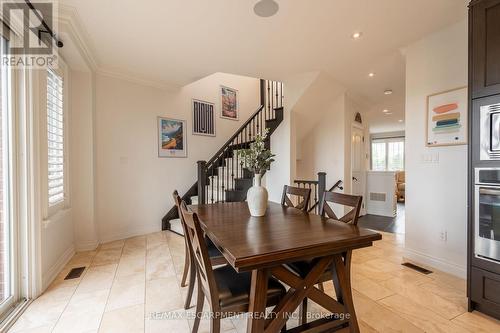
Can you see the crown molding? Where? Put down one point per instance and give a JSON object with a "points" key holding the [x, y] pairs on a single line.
{"points": [[133, 78], [70, 23]]}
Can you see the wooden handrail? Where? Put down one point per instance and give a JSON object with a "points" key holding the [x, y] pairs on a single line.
{"points": [[338, 185], [235, 135]]}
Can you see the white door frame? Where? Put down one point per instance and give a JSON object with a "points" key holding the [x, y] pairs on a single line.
{"points": [[357, 126]]}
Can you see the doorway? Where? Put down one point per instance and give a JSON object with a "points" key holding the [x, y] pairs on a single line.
{"points": [[358, 164]]}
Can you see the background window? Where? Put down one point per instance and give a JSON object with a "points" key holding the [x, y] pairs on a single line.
{"points": [[55, 136], [388, 154]]}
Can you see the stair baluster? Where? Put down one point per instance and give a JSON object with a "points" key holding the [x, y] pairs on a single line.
{"points": [[224, 177]]}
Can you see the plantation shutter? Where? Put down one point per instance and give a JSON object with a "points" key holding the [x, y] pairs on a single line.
{"points": [[55, 136]]}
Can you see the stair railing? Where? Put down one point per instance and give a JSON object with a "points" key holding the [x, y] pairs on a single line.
{"points": [[218, 178], [315, 207], [317, 188]]}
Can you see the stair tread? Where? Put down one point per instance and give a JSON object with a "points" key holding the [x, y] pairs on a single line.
{"points": [[235, 177]]}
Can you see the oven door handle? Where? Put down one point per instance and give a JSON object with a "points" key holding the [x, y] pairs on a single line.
{"points": [[488, 191]]}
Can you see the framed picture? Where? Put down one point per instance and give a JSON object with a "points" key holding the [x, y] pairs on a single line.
{"points": [[172, 139], [447, 118], [229, 103], [203, 118]]}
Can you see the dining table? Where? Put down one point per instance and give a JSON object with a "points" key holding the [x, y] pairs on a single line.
{"points": [[264, 245]]}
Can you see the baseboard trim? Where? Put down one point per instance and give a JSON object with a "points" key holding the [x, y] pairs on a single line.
{"points": [[433, 262], [87, 246], [129, 233], [53, 271]]}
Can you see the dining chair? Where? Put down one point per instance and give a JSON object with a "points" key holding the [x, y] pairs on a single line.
{"points": [[303, 196], [303, 267], [226, 291], [216, 257]]}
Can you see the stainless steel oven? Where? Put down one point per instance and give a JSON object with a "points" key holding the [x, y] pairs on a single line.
{"points": [[490, 132], [487, 213]]}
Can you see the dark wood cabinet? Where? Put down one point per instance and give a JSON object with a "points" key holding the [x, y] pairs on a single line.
{"points": [[485, 47], [485, 291], [483, 276]]}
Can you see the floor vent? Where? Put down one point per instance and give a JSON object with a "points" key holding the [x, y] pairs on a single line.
{"points": [[75, 273], [417, 268]]}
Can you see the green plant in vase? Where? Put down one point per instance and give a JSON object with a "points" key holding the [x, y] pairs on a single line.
{"points": [[257, 159]]}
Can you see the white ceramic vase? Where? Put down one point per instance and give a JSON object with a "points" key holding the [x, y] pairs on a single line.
{"points": [[257, 197]]}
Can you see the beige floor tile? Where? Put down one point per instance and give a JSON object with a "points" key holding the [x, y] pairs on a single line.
{"points": [[41, 313], [145, 272], [79, 322], [379, 317], [371, 288], [92, 301], [41, 329], [107, 256], [153, 240], [124, 320], [158, 250], [420, 316], [452, 294], [171, 325], [426, 298], [130, 265], [477, 322], [112, 245], [60, 292], [126, 291], [163, 295], [98, 278], [160, 268]]}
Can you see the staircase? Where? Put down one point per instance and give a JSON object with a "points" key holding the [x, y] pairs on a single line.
{"points": [[225, 177]]}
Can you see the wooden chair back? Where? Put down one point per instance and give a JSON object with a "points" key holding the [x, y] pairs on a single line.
{"points": [[199, 251], [303, 195], [178, 201], [353, 201]]}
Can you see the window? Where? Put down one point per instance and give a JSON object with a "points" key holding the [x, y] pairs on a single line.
{"points": [[55, 137], [388, 154]]}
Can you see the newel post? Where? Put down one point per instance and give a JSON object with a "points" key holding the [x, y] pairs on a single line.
{"points": [[321, 185], [202, 182]]}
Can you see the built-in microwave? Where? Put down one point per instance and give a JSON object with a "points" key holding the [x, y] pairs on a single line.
{"points": [[490, 132]]}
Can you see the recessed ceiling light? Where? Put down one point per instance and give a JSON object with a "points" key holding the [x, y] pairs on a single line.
{"points": [[388, 92], [357, 35], [266, 8], [385, 111], [400, 120], [371, 74]]}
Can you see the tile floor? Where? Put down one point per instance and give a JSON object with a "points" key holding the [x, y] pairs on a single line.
{"points": [[128, 280]]}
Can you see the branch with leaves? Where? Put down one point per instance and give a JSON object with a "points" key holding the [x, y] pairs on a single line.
{"points": [[257, 158]]}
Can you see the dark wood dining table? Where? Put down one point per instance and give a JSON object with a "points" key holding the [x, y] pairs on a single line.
{"points": [[263, 245]]}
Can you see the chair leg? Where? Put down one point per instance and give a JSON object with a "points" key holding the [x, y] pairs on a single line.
{"points": [[187, 261], [321, 286], [192, 280], [303, 312], [215, 324], [199, 309]]}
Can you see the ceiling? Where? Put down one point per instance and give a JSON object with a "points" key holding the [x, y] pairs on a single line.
{"points": [[175, 42]]}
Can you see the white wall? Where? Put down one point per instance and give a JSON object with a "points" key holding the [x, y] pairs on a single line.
{"points": [[436, 193], [323, 147], [82, 160], [134, 186]]}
